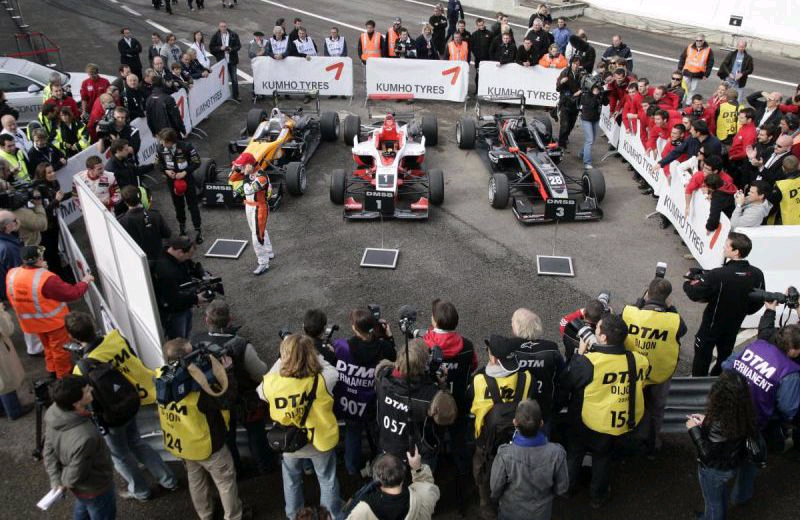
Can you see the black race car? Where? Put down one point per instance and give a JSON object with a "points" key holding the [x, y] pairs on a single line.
{"points": [[524, 159]]}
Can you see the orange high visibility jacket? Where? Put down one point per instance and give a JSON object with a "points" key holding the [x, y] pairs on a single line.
{"points": [[391, 39], [370, 48], [458, 52], [559, 62], [34, 312], [696, 60]]}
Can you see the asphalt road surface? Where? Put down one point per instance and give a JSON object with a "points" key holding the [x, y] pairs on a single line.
{"points": [[477, 257]]}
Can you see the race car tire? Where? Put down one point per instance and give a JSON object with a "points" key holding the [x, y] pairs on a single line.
{"points": [[296, 180], [436, 186], [430, 129], [329, 126], [206, 172], [548, 125], [594, 184], [498, 190], [465, 133], [338, 179], [254, 118], [351, 129]]}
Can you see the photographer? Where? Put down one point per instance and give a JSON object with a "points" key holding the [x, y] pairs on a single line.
{"points": [[298, 391], [174, 268], [590, 315], [145, 226], [655, 330], [604, 402], [354, 393], [314, 323], [408, 381], [100, 120], [248, 371], [194, 424], [726, 291], [568, 86], [592, 100], [125, 443]]}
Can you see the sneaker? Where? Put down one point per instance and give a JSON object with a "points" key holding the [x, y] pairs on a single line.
{"points": [[271, 255], [198, 237], [176, 487], [127, 495], [587, 167], [261, 269]]}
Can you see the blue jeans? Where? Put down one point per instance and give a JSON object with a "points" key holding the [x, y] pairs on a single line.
{"points": [[325, 467], [127, 451], [178, 325], [714, 485], [101, 507], [590, 130], [10, 403]]}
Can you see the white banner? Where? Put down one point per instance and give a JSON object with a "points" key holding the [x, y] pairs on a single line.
{"points": [[208, 93], [609, 126], [330, 76], [182, 100], [537, 84], [424, 79], [632, 150], [706, 247], [147, 150]]}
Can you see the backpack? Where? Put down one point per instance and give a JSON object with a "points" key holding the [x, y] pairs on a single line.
{"points": [[116, 400], [498, 425]]}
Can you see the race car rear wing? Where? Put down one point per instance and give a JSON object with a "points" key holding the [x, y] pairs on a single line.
{"points": [[310, 94], [496, 99], [378, 112]]}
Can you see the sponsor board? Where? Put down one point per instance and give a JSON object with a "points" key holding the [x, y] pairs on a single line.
{"points": [[182, 100], [330, 76], [609, 126], [208, 93], [424, 79], [537, 84], [632, 150]]}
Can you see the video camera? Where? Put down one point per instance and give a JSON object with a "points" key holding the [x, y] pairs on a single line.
{"points": [[204, 283], [106, 125], [327, 336], [175, 381], [581, 330], [791, 299], [18, 196], [590, 81], [695, 274]]}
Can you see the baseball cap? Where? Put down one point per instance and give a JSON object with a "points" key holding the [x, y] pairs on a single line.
{"points": [[244, 159], [32, 254], [503, 349]]}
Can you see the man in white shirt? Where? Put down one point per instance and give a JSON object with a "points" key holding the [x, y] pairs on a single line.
{"points": [[335, 45], [10, 128]]}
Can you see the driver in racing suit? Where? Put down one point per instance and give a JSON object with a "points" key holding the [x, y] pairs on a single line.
{"points": [[254, 185]]}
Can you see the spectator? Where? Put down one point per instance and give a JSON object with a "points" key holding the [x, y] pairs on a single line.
{"points": [[46, 183], [191, 66], [48, 119], [568, 85], [119, 81], [122, 164], [257, 46], [199, 47], [699, 138], [11, 372], [10, 246], [173, 269], [162, 111], [10, 127], [480, 42], [61, 100], [198, 438], [675, 88], [599, 419], [457, 49], [699, 111], [124, 442], [579, 46], [530, 471], [145, 226], [392, 34], [182, 81], [335, 45], [426, 50], [296, 24], [561, 34], [620, 49], [300, 370], [302, 46], [5, 108], [726, 118], [43, 151], [695, 63], [44, 313], [736, 68], [761, 151], [751, 210], [225, 45], [75, 457], [712, 165], [133, 98], [171, 51], [91, 88], [354, 393], [72, 136], [178, 161], [278, 44], [33, 220], [156, 45], [372, 44], [439, 24], [404, 46], [455, 12], [391, 498], [461, 28], [781, 196], [102, 183], [540, 39], [766, 107], [553, 59], [771, 169], [129, 51]]}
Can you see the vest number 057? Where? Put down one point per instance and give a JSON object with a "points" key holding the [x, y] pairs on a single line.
{"points": [[353, 407], [393, 425]]}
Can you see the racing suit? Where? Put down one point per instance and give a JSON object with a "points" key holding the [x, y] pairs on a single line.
{"points": [[104, 186], [257, 190]]}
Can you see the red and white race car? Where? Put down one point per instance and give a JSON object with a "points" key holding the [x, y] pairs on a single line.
{"points": [[389, 179]]}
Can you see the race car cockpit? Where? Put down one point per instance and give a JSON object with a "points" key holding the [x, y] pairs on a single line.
{"points": [[388, 139]]}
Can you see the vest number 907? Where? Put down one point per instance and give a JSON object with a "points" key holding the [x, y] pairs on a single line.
{"points": [[172, 443], [353, 407], [393, 425]]}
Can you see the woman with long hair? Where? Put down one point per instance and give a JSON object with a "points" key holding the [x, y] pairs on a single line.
{"points": [[299, 379], [46, 183], [199, 46], [354, 394], [720, 438]]}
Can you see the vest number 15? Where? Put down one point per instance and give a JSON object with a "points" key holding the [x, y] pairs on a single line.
{"points": [[393, 425], [618, 419]]}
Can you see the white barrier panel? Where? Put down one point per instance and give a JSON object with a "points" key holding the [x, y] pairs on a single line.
{"points": [[425, 79], [182, 100], [632, 150], [609, 126], [210, 92], [706, 247], [537, 84], [330, 76], [147, 150]]}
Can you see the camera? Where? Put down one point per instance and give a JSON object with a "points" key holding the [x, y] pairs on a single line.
{"points": [[106, 125], [408, 320], [204, 283], [589, 81], [18, 197], [604, 298], [583, 331], [41, 392], [790, 299], [175, 381], [435, 362], [661, 269], [375, 310], [695, 273]]}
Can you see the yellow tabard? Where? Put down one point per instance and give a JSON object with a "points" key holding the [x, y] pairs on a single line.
{"points": [[605, 398], [790, 202], [482, 400], [653, 334]]}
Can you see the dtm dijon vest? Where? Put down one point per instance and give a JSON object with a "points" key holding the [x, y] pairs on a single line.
{"points": [[653, 334], [727, 120], [287, 398], [187, 434], [482, 400], [605, 398], [790, 201]]}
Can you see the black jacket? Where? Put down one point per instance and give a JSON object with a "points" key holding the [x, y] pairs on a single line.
{"points": [[584, 51], [49, 154], [721, 202], [162, 112], [504, 53], [185, 158], [134, 100], [480, 42], [426, 50], [568, 89], [592, 105], [125, 171], [169, 275], [726, 289], [691, 146], [714, 450], [215, 47], [529, 55], [541, 42], [760, 105], [130, 134], [727, 64], [129, 54], [543, 360], [6, 109], [147, 228], [623, 51]]}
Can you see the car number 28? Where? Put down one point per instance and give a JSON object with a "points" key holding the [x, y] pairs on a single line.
{"points": [[555, 180], [353, 407], [393, 425]]}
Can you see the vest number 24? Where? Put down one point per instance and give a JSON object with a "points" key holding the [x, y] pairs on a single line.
{"points": [[173, 443]]}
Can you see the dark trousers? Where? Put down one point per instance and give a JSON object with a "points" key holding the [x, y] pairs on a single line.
{"points": [[477, 67], [704, 342], [178, 325], [581, 441], [353, 435], [262, 456], [234, 80], [568, 117], [189, 198]]}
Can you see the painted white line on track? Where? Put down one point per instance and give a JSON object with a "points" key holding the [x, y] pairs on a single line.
{"points": [[308, 13], [134, 13], [649, 55], [158, 26], [245, 76]]}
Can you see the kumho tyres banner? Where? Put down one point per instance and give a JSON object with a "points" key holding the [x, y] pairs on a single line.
{"points": [[424, 79], [707, 248], [632, 150], [330, 76], [609, 126], [182, 100], [537, 84], [208, 93]]}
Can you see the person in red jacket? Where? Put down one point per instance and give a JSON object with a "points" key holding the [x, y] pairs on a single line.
{"points": [[644, 87], [631, 106], [712, 164], [700, 111], [676, 136], [659, 128], [745, 138], [91, 88], [665, 99], [617, 90], [60, 99]]}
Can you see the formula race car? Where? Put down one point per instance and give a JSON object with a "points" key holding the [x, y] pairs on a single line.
{"points": [[282, 141], [389, 179], [524, 159]]}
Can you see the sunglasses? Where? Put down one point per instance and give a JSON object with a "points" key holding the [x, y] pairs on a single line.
{"points": [[676, 79]]}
